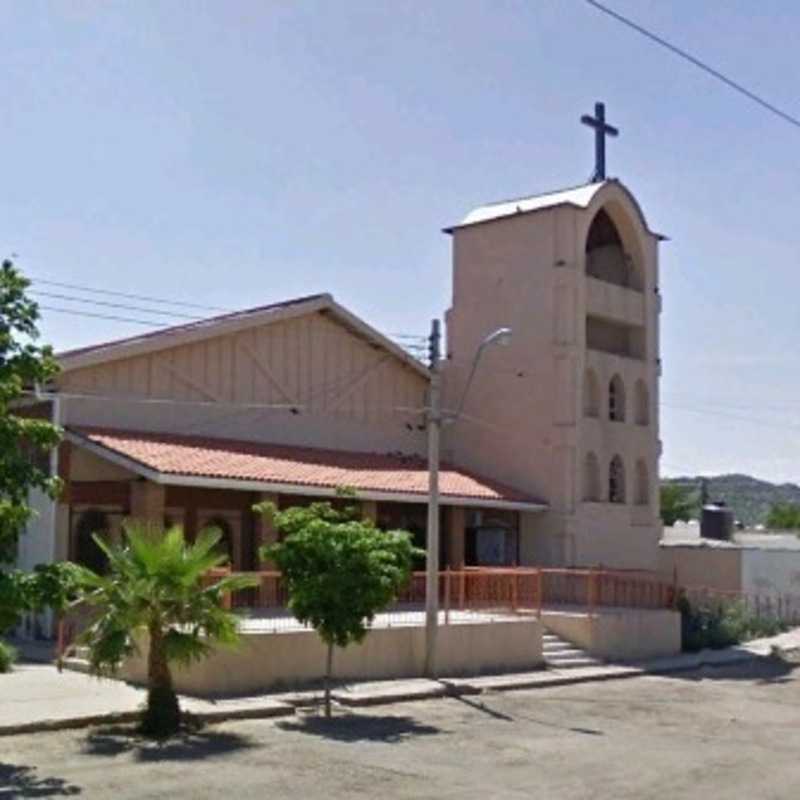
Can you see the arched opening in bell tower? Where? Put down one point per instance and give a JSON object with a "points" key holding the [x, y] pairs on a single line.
{"points": [[607, 257]]}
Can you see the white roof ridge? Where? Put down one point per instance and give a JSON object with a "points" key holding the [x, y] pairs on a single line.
{"points": [[542, 195]]}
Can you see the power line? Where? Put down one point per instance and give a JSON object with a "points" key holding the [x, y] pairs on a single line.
{"points": [[113, 318], [786, 117], [109, 304], [127, 295], [737, 417]]}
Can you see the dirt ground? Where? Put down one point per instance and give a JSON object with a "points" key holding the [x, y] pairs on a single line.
{"points": [[717, 733]]}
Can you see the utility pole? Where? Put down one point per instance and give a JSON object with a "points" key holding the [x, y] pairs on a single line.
{"points": [[435, 419], [434, 424]]}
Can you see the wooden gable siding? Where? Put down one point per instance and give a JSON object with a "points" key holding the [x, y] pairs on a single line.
{"points": [[312, 362]]}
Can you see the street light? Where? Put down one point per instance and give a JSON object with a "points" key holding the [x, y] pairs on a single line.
{"points": [[502, 337]]}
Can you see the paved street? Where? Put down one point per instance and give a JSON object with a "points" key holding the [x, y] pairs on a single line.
{"points": [[725, 733]]}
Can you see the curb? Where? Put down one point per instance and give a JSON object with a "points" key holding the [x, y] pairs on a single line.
{"points": [[444, 688], [120, 717], [68, 723]]}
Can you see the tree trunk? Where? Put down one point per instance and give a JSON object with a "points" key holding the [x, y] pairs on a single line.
{"points": [[162, 715], [328, 670]]}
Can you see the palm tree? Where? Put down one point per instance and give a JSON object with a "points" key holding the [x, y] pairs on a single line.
{"points": [[154, 586]]}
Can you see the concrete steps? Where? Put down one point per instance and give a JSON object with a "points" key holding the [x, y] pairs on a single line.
{"points": [[78, 660], [561, 654]]}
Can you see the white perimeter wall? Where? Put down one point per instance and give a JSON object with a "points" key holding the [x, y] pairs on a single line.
{"points": [[37, 543], [771, 572]]}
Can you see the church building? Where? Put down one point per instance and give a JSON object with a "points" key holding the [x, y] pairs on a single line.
{"points": [[553, 462]]}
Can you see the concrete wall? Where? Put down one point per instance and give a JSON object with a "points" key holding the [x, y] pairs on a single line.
{"points": [[348, 393], [289, 659], [528, 272], [770, 572], [711, 567], [620, 634], [37, 544]]}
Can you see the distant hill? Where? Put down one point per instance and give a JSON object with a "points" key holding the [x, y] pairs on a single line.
{"points": [[750, 498]]}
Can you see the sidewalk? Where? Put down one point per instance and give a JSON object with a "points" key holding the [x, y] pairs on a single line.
{"points": [[37, 697]]}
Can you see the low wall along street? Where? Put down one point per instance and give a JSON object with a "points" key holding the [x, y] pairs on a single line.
{"points": [[294, 658], [619, 634]]}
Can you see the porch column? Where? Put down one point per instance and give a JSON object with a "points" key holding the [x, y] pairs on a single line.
{"points": [[265, 532], [148, 501], [456, 524], [369, 510]]}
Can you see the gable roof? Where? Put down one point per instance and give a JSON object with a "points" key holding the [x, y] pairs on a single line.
{"points": [[224, 463], [576, 197], [229, 323]]}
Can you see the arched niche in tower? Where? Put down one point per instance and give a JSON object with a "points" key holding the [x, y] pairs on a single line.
{"points": [[612, 251]]}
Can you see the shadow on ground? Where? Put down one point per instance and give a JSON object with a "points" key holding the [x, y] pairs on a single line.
{"points": [[185, 746], [19, 781], [764, 670], [356, 728]]}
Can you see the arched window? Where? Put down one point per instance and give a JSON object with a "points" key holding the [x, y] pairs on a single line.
{"points": [[87, 553], [616, 481], [642, 397], [225, 543], [616, 400], [606, 258], [591, 479], [591, 394], [642, 484]]}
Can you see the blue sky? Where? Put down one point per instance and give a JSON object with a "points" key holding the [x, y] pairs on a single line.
{"points": [[238, 153]]}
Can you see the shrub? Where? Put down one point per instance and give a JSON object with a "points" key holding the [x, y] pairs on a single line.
{"points": [[8, 655], [719, 623]]}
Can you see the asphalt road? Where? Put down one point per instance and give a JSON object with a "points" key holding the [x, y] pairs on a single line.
{"points": [[714, 734]]}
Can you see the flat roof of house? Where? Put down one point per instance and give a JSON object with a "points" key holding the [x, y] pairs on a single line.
{"points": [[688, 535], [231, 464]]}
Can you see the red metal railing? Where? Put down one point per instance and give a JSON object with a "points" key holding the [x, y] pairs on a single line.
{"points": [[515, 590]]}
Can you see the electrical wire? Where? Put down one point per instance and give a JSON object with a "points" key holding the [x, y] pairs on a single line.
{"points": [[113, 318], [127, 295], [108, 304], [785, 116]]}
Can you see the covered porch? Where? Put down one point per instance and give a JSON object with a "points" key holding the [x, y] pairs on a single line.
{"points": [[197, 482]]}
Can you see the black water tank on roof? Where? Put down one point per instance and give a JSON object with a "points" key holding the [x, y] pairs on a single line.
{"points": [[716, 522]]}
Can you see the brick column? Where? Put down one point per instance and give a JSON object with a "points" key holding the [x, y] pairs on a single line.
{"points": [[456, 524], [148, 502]]}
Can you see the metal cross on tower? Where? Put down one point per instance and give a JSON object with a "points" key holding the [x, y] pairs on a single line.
{"points": [[601, 130]]}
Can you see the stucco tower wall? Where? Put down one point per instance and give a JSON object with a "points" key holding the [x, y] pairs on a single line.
{"points": [[524, 418]]}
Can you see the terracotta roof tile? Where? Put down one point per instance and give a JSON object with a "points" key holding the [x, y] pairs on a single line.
{"points": [[195, 456]]}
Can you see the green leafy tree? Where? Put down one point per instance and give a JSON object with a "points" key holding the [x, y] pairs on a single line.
{"points": [[784, 516], [154, 587], [54, 586], [677, 504], [340, 571], [23, 364]]}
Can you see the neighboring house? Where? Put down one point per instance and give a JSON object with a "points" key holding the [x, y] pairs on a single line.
{"points": [[754, 563], [554, 462]]}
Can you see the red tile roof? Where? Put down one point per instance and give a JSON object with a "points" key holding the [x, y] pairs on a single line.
{"points": [[201, 457]]}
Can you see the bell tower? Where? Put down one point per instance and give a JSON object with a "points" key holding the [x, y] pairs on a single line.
{"points": [[569, 411]]}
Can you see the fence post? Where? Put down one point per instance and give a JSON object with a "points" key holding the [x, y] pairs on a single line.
{"points": [[590, 590], [514, 599], [60, 644], [447, 595], [462, 577], [539, 590]]}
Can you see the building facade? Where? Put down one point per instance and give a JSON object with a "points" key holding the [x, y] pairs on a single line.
{"points": [[554, 461]]}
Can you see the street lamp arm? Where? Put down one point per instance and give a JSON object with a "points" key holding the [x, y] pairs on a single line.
{"points": [[501, 336]]}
